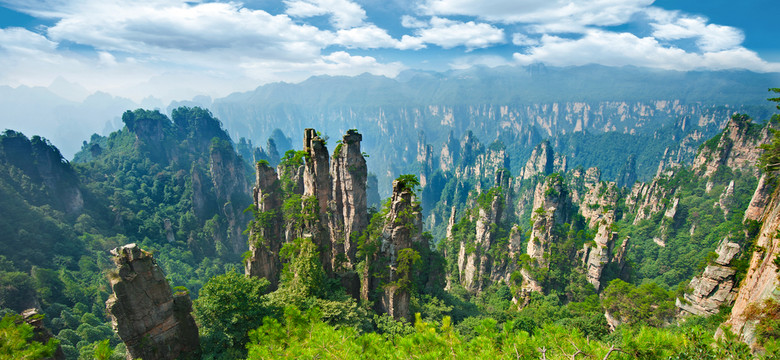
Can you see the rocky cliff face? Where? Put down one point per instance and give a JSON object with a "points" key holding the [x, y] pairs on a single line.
{"points": [[153, 322], [761, 280], [317, 184], [334, 210], [402, 231], [715, 286], [474, 262], [348, 206], [230, 187], [266, 233], [541, 161], [648, 199], [551, 208], [597, 205], [736, 147]]}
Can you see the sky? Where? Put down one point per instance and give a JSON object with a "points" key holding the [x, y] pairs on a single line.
{"points": [[174, 50]]}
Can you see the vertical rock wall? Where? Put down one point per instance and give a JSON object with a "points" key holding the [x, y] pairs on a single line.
{"points": [[402, 230], [761, 280], [153, 322], [348, 207], [266, 236]]}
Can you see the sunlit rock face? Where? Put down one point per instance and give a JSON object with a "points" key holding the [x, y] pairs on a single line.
{"points": [[153, 322]]}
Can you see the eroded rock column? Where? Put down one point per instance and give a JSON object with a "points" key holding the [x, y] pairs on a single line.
{"points": [[153, 322]]}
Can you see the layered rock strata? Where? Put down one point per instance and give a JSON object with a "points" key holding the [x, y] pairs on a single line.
{"points": [[153, 322], [715, 286], [266, 232], [348, 205], [761, 281], [401, 232]]}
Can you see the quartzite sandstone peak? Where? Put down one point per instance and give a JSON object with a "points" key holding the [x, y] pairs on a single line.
{"points": [[153, 322]]}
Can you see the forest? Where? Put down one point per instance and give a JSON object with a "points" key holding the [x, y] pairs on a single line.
{"points": [[510, 275]]}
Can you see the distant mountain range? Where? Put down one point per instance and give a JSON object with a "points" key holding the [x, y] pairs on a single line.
{"points": [[510, 103]]}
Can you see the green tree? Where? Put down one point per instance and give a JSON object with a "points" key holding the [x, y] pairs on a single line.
{"points": [[16, 340], [228, 307]]}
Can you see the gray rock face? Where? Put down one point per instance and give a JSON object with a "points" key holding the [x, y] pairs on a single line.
{"points": [[550, 200], [402, 230], [153, 322], [317, 183], [339, 191], [648, 199], [761, 280], [541, 161], [266, 235], [736, 148], [715, 286], [474, 265], [228, 177], [348, 206]]}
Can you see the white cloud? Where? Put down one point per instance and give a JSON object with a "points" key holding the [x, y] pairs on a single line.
{"points": [[619, 49], [106, 58], [576, 13], [336, 63], [371, 37], [669, 25], [211, 27], [523, 40], [170, 47], [25, 41], [450, 33], [412, 22], [344, 14]]}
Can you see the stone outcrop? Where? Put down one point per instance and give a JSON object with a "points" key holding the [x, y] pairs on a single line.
{"points": [[715, 286], [266, 237], [736, 147], [230, 185], [541, 161], [153, 322], [761, 197], [335, 194], [317, 183], [648, 199], [40, 333], [348, 206], [761, 280], [550, 208], [598, 201], [402, 230], [474, 261]]}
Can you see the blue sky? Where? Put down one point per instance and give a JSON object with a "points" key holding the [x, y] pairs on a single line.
{"points": [[173, 49]]}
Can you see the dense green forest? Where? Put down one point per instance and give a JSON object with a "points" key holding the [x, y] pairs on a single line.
{"points": [[179, 189]]}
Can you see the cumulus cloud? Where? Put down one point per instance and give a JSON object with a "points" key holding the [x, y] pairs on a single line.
{"points": [[412, 22], [373, 37], [343, 13], [669, 25], [165, 47], [619, 49], [520, 39], [22, 40], [574, 13], [212, 48], [450, 33]]}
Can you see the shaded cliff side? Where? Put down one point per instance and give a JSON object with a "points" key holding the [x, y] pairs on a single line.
{"points": [[153, 322]]}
